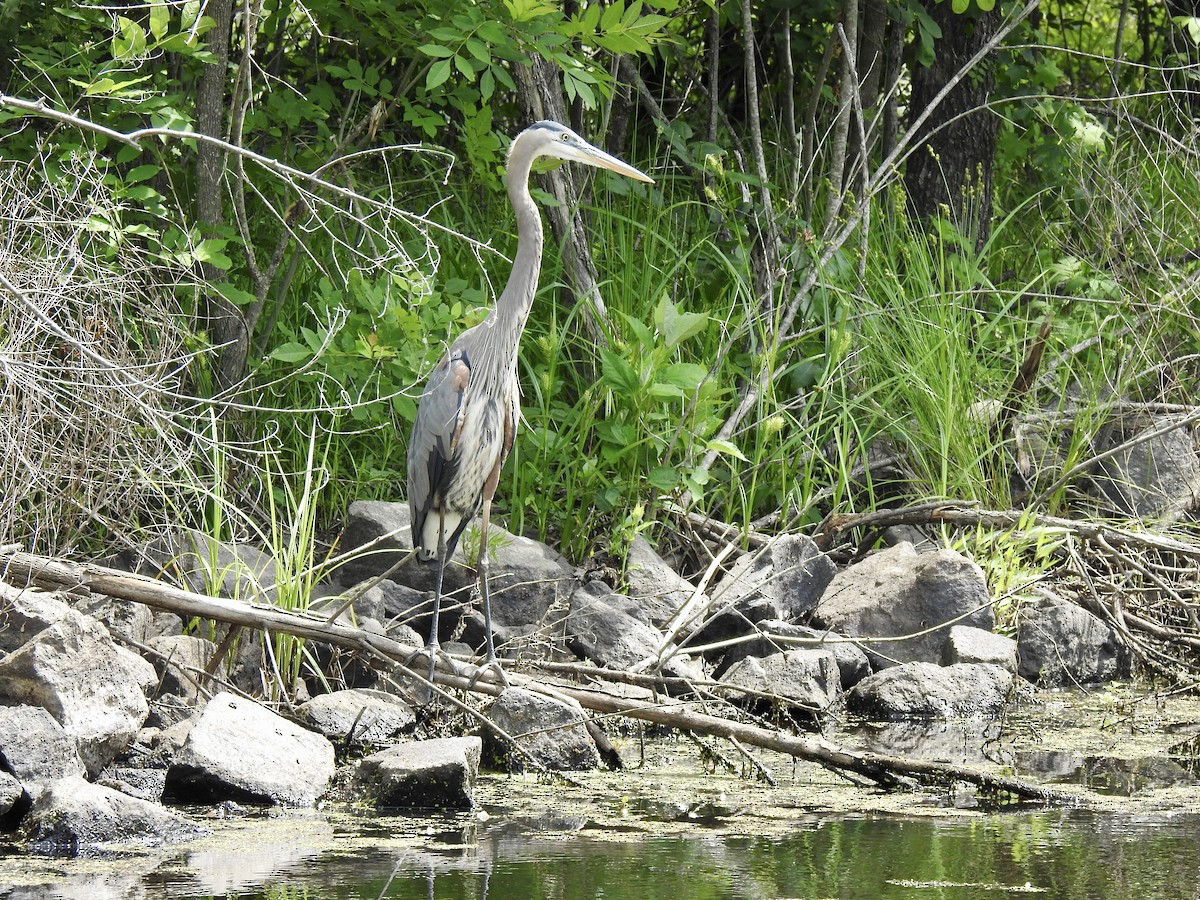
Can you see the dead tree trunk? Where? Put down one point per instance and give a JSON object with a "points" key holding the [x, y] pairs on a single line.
{"points": [[224, 321]]}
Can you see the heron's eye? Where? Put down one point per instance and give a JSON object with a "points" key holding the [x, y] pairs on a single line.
{"points": [[564, 137]]}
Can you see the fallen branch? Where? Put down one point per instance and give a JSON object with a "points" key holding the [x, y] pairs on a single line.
{"points": [[24, 569]]}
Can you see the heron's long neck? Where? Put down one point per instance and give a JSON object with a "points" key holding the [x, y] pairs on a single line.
{"points": [[512, 309]]}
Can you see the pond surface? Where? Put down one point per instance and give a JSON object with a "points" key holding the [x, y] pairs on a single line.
{"points": [[1060, 854], [678, 825]]}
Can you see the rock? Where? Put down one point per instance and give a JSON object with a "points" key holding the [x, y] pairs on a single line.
{"points": [[364, 716], [657, 588], [852, 661], [26, 613], [926, 691], [73, 816], [554, 732], [435, 774], [14, 802], [965, 644], [598, 631], [783, 581], [1061, 645], [809, 679], [898, 592], [95, 689], [203, 564], [145, 784], [121, 617], [527, 578], [184, 659], [34, 747], [1158, 478], [382, 530], [237, 750]]}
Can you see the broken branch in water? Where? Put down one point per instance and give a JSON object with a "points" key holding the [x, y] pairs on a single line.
{"points": [[24, 569]]}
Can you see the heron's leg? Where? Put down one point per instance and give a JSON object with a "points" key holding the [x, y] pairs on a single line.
{"points": [[433, 645], [482, 568]]}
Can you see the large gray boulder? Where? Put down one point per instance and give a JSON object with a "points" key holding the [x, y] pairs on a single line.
{"points": [[35, 748], [435, 774], [94, 688], [237, 750], [809, 679], [359, 716], [785, 580], [898, 592], [1156, 478], [598, 630], [927, 691], [551, 731], [657, 589], [73, 816], [1061, 645]]}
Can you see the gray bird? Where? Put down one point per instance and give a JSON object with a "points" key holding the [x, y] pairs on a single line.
{"points": [[467, 414]]}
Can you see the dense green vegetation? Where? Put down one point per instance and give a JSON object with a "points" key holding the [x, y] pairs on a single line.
{"points": [[786, 331]]}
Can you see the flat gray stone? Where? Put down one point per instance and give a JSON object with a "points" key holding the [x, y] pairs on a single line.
{"points": [[206, 565], [1158, 478], [926, 691], [366, 716], [184, 659], [73, 816], [810, 679], [852, 661], [434, 774], [237, 750], [554, 732], [965, 644]]}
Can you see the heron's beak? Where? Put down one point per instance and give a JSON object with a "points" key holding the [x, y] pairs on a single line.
{"points": [[594, 156]]}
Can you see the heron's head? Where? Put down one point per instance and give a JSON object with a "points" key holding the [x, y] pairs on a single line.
{"points": [[552, 139]]}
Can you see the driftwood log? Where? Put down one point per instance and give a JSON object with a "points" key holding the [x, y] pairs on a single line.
{"points": [[26, 570]]}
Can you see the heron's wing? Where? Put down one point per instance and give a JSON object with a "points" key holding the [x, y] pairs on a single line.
{"points": [[432, 460]]}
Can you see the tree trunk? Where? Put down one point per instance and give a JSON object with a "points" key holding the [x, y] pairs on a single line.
{"points": [[950, 171], [543, 98], [223, 319]]}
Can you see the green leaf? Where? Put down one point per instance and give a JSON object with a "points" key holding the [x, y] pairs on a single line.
{"points": [[618, 374], [129, 40], [663, 478], [141, 173], [677, 327], [726, 447], [436, 50], [211, 251], [160, 18], [438, 73], [291, 353]]}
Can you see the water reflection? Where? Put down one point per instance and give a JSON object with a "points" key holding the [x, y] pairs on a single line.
{"points": [[1072, 854]]}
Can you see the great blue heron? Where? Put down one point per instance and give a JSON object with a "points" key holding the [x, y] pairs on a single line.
{"points": [[468, 412]]}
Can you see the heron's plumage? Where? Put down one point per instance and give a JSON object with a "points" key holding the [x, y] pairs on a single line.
{"points": [[467, 414]]}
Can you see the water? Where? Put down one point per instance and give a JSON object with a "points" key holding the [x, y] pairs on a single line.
{"points": [[1060, 854]]}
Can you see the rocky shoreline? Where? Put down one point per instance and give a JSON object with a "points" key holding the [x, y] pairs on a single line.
{"points": [[114, 718]]}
